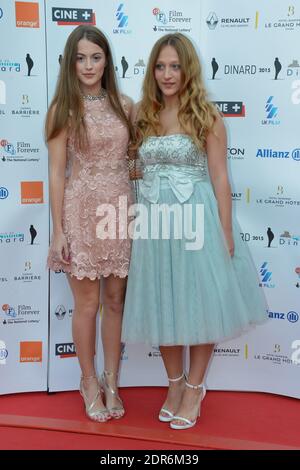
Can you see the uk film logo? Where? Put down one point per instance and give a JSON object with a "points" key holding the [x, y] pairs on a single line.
{"points": [[265, 276], [271, 110], [73, 16], [121, 20]]}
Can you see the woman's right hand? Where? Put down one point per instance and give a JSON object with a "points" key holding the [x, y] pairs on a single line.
{"points": [[59, 248]]}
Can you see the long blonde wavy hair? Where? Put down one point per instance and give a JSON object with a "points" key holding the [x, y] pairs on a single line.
{"points": [[67, 107], [196, 114]]}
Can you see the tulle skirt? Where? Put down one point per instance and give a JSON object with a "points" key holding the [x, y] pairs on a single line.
{"points": [[180, 296]]}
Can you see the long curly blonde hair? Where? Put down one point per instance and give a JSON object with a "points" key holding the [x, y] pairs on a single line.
{"points": [[196, 114], [67, 103]]}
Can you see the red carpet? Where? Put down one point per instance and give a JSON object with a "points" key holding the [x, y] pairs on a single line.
{"points": [[229, 420]]}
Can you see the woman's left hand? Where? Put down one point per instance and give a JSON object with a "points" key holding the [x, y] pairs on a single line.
{"points": [[230, 242]]}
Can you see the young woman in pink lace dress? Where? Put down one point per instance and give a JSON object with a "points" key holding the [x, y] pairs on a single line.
{"points": [[88, 131]]}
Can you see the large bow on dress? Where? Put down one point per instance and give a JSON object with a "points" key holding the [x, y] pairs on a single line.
{"points": [[181, 181]]}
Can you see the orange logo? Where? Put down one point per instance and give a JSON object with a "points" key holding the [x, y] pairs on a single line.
{"points": [[32, 192], [27, 15], [31, 351]]}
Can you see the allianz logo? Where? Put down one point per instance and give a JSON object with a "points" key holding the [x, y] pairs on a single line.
{"points": [[291, 316], [270, 153]]}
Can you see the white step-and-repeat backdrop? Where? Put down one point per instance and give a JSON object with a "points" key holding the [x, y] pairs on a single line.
{"points": [[251, 64]]}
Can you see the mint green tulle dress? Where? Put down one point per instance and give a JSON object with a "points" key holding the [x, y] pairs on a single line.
{"points": [[180, 292]]}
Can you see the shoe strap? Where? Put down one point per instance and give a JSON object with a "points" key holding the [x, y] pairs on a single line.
{"points": [[194, 387], [106, 374], [89, 406], [164, 410], [177, 378], [110, 374], [185, 420]]}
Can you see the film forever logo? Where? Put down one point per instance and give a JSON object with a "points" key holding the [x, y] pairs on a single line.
{"points": [[27, 15]]}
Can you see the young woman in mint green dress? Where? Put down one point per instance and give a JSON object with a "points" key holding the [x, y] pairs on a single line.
{"points": [[180, 294]]}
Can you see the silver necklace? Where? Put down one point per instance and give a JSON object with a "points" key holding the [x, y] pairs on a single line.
{"points": [[101, 96]]}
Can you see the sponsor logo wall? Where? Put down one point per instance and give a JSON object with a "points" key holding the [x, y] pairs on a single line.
{"points": [[251, 66], [24, 221], [250, 56]]}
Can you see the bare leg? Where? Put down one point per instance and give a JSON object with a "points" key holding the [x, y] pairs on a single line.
{"points": [[113, 302], [86, 304], [173, 362], [199, 358]]}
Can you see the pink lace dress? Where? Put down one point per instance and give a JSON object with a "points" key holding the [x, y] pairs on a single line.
{"points": [[97, 190]]}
